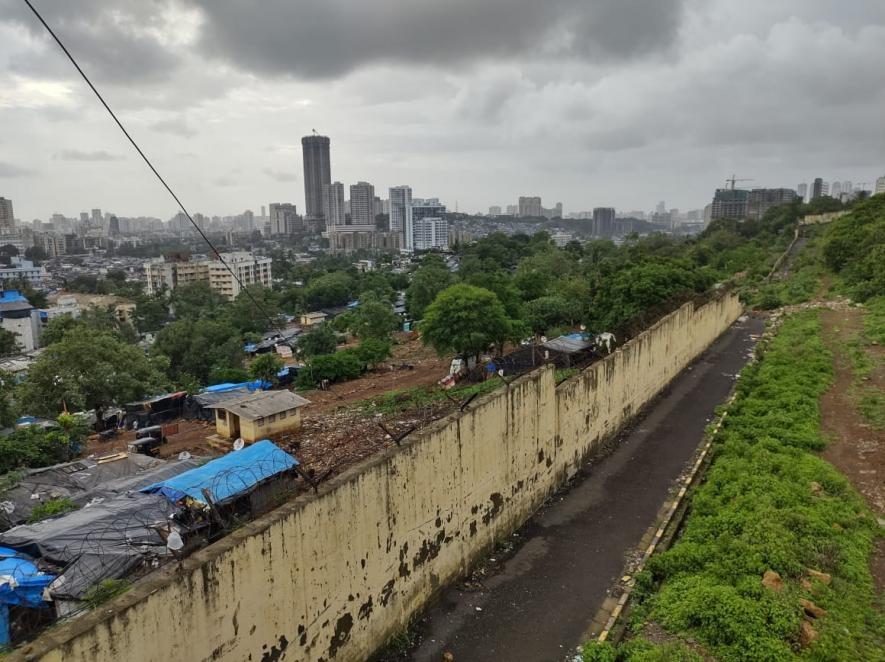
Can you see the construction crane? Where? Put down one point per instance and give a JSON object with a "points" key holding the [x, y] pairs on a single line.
{"points": [[734, 178]]}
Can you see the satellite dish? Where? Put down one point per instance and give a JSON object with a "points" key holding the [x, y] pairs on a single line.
{"points": [[174, 542], [184, 455], [239, 444]]}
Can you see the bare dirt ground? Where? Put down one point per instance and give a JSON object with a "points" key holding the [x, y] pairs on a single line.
{"points": [[856, 448], [425, 368], [335, 433]]}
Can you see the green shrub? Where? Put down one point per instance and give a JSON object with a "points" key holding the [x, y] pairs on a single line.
{"points": [[104, 591], [757, 510], [51, 508], [34, 447]]}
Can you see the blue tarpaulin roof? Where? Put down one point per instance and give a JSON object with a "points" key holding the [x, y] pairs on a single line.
{"points": [[21, 583], [229, 475], [228, 386]]}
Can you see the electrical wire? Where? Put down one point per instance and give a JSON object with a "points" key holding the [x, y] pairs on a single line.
{"points": [[150, 165]]}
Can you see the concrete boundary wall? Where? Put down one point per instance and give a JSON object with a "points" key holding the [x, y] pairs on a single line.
{"points": [[333, 575]]}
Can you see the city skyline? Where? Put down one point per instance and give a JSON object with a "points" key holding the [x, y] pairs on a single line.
{"points": [[642, 107]]}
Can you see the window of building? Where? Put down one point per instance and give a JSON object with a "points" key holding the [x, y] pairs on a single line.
{"points": [[259, 421], [222, 415], [282, 415], [271, 418]]}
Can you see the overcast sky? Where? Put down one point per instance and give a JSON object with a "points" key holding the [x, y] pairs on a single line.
{"points": [[588, 102]]}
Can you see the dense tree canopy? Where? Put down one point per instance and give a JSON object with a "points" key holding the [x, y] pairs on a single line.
{"points": [[431, 278], [87, 369], [195, 347], [466, 320]]}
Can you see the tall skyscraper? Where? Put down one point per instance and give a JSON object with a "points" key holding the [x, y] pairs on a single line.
{"points": [[529, 206], [826, 188], [7, 219], [817, 188], [362, 205], [603, 222], [96, 220], [880, 185], [401, 214], [802, 189], [317, 173], [847, 187], [836, 190], [494, 210], [333, 206], [283, 218]]}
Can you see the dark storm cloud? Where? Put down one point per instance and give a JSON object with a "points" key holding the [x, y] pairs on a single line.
{"points": [[325, 39], [78, 155], [115, 42]]}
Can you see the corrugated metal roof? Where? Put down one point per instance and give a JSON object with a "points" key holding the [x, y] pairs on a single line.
{"points": [[259, 405]]}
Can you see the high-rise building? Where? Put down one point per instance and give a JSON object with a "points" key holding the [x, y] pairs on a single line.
{"points": [[512, 210], [96, 220], [317, 173], [836, 190], [430, 232], [661, 208], [730, 203], [847, 186], [803, 191], [84, 217], [880, 185], [333, 206], [7, 219], [817, 188], [362, 206], [113, 226], [761, 200], [283, 218], [825, 188], [494, 210], [529, 206], [401, 214], [603, 222]]}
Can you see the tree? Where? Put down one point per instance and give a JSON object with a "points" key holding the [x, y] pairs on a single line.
{"points": [[547, 312], [36, 253], [87, 369], [34, 447], [196, 300], [246, 316], [376, 284], [332, 289], [57, 328], [150, 313], [8, 343], [430, 279], [196, 347], [265, 367], [373, 318], [465, 320], [7, 408], [321, 340]]}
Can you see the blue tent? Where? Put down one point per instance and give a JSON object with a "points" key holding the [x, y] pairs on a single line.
{"points": [[22, 584], [227, 476]]}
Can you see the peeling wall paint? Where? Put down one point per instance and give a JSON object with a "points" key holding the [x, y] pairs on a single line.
{"points": [[332, 576]]}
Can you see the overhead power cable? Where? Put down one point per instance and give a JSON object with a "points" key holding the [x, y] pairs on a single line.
{"points": [[150, 165]]}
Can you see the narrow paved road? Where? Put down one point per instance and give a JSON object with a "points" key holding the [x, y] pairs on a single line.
{"points": [[540, 605]]}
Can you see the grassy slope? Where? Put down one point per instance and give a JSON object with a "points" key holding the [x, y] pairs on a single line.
{"points": [[768, 503]]}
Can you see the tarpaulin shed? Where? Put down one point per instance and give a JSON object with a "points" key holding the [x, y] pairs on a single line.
{"points": [[228, 476], [21, 584], [570, 344]]}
